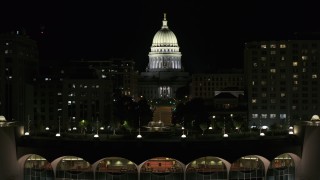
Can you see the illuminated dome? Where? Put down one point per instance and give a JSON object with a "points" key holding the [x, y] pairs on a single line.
{"points": [[315, 118], [164, 37]]}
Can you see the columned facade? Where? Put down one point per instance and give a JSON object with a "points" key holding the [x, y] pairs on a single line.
{"points": [[164, 73]]}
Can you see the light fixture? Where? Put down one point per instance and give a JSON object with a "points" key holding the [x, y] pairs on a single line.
{"points": [[225, 135], [183, 135], [290, 132], [262, 134], [96, 136], [47, 128], [74, 128], [58, 134], [101, 128], [210, 127], [27, 133], [139, 136]]}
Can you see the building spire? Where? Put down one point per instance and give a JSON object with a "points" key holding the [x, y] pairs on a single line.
{"points": [[164, 22]]}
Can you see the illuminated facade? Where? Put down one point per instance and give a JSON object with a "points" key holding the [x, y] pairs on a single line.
{"points": [[283, 81], [164, 73]]}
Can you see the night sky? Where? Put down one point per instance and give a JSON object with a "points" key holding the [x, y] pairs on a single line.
{"points": [[211, 34]]}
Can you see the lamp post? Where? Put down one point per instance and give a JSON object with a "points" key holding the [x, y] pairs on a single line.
{"points": [[58, 134], [139, 136], [27, 133], [224, 128], [97, 128]]}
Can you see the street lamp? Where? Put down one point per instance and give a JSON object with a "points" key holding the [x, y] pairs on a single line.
{"points": [[210, 127], [58, 134], [225, 135], [139, 136], [97, 134], [27, 133]]}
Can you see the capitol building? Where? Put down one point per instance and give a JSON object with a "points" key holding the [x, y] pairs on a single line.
{"points": [[164, 74]]}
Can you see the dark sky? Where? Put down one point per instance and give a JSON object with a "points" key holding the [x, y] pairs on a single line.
{"points": [[211, 34]]}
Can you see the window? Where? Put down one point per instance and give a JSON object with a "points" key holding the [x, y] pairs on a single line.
{"points": [[263, 58], [295, 76], [272, 52], [254, 101], [282, 94], [283, 46], [273, 70], [273, 46], [272, 116], [314, 76], [263, 46], [304, 58], [295, 63], [254, 116]]}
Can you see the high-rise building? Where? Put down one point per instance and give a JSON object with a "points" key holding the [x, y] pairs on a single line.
{"points": [[283, 81], [164, 74], [19, 65]]}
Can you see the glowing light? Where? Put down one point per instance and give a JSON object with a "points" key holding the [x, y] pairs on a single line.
{"points": [[139, 136], [58, 135], [264, 127], [182, 128], [74, 128], [27, 133], [101, 128], [47, 128], [210, 127], [290, 127], [290, 132], [183, 136], [262, 134], [225, 135], [96, 136]]}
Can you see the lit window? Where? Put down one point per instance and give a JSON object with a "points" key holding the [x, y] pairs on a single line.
{"points": [[304, 58], [295, 76], [263, 46], [6, 51], [272, 52], [253, 83], [59, 93], [272, 116], [314, 76], [255, 64], [97, 86], [254, 101], [283, 46], [304, 70], [294, 63], [283, 94], [7, 43], [273, 70], [294, 107], [264, 116], [273, 46], [283, 116], [295, 82], [283, 58], [254, 116]]}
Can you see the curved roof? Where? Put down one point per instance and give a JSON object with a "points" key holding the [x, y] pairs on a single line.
{"points": [[165, 37]]}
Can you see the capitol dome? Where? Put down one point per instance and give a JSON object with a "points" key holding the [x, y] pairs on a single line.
{"points": [[164, 37]]}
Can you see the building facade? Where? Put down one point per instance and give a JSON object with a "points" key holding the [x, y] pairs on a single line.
{"points": [[210, 85], [283, 81], [19, 65], [164, 74]]}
